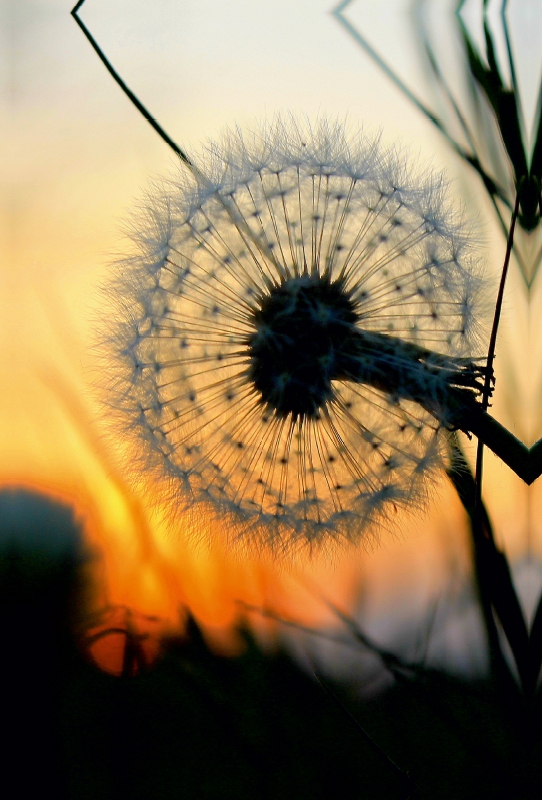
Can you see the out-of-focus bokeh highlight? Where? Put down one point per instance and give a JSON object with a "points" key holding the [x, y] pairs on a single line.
{"points": [[80, 156]]}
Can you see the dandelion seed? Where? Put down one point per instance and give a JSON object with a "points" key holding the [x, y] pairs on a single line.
{"points": [[291, 331]]}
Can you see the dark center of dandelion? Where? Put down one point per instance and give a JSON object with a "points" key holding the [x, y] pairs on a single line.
{"points": [[304, 330], [307, 335]]}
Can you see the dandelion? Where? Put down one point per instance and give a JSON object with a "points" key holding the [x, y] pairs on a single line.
{"points": [[294, 333]]}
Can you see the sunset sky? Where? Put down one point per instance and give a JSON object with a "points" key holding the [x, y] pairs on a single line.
{"points": [[81, 155]]}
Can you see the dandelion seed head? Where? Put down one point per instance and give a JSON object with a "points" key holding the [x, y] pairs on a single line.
{"points": [[260, 346]]}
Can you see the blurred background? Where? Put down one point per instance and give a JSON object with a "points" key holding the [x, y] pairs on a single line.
{"points": [[80, 156]]}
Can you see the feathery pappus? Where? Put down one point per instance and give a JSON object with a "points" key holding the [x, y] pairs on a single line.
{"points": [[293, 322]]}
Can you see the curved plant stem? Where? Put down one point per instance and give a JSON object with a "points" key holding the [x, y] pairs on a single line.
{"points": [[490, 359], [126, 89]]}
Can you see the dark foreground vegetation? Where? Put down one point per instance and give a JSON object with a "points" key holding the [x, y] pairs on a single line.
{"points": [[196, 725]]}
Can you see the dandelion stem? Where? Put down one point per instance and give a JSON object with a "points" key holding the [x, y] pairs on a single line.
{"points": [[504, 444]]}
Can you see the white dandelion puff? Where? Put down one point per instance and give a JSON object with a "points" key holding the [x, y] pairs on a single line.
{"points": [[292, 331]]}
